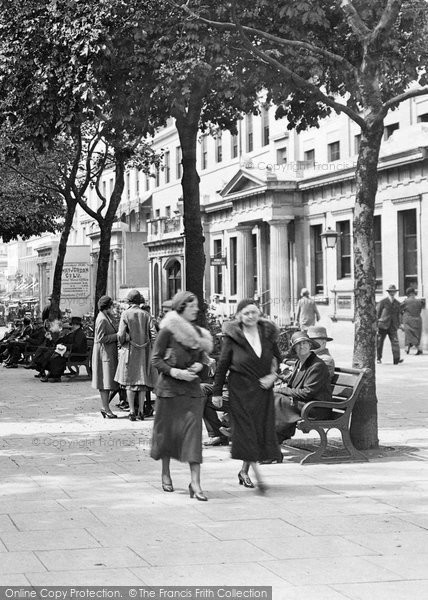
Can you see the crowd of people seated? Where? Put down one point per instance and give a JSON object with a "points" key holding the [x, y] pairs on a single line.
{"points": [[42, 345]]}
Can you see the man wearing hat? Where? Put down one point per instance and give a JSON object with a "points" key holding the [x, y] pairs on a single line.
{"points": [[76, 341], [388, 313], [319, 335], [307, 311], [310, 380], [55, 366]]}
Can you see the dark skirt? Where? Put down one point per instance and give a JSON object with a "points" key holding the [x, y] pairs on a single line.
{"points": [[253, 422], [177, 429]]}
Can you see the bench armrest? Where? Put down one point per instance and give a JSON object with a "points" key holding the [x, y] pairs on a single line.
{"points": [[318, 404]]}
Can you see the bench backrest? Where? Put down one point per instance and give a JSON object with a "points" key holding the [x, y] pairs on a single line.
{"points": [[346, 385]]}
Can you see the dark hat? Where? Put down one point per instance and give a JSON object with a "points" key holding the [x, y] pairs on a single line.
{"points": [[391, 288], [76, 320], [181, 299], [245, 302], [302, 336], [134, 297], [104, 302], [318, 332]]}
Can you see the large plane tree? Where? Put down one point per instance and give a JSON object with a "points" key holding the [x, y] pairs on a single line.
{"points": [[357, 57]]}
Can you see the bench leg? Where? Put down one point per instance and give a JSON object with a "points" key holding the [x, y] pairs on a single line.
{"points": [[315, 456], [352, 451]]}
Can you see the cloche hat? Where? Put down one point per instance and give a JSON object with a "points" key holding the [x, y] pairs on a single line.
{"points": [[302, 336]]}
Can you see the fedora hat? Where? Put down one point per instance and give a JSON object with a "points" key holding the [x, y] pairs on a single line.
{"points": [[317, 331], [391, 288], [302, 336]]}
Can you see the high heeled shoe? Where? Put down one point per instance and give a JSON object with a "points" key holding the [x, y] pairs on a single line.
{"points": [[167, 487], [107, 415], [198, 495], [244, 480], [132, 417]]}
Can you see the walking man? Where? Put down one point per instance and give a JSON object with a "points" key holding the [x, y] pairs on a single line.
{"points": [[307, 312], [388, 322]]}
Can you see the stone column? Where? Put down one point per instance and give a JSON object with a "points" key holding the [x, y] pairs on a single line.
{"points": [[245, 287], [279, 272], [118, 259]]}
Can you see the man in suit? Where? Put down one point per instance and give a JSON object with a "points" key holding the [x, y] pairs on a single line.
{"points": [[388, 320], [310, 380]]}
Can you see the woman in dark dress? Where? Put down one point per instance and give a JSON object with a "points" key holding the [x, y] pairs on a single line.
{"points": [[250, 353], [411, 309], [180, 355]]}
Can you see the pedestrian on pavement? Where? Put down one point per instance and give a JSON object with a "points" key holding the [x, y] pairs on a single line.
{"points": [[411, 309], [307, 312], [319, 334], [180, 357], [310, 380], [104, 355], [251, 355], [134, 369], [388, 321]]}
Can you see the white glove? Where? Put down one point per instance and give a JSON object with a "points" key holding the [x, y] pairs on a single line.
{"points": [[217, 401]]}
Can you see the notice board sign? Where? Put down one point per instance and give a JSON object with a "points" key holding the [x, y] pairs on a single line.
{"points": [[75, 280]]}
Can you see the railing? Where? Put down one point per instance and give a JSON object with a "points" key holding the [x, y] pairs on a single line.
{"points": [[164, 227]]}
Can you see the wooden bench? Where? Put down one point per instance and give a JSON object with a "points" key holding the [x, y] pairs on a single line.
{"points": [[75, 361], [347, 385]]}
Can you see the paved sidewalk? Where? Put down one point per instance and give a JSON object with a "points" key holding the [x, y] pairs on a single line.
{"points": [[81, 502]]}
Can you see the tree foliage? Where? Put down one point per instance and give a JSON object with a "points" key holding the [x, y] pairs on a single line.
{"points": [[28, 205]]}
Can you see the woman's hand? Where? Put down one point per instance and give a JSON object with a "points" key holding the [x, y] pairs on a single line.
{"points": [[182, 374], [217, 401], [267, 381], [196, 367]]}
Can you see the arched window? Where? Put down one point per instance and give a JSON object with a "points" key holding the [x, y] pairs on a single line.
{"points": [[173, 274]]}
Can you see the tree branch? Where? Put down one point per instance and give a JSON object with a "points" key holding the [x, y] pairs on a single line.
{"points": [[297, 80], [405, 96], [387, 20], [354, 20], [270, 37]]}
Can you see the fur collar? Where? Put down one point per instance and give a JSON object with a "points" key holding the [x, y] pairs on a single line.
{"points": [[267, 329], [187, 334]]}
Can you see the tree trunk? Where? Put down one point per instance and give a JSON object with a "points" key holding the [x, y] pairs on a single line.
{"points": [[187, 126], [62, 249], [105, 224], [364, 428]]}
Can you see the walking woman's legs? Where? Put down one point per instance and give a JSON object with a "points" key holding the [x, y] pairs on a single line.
{"points": [[166, 473], [130, 396], [195, 476], [105, 399]]}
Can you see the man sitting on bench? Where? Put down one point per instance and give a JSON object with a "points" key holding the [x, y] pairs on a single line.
{"points": [[76, 341], [310, 380]]}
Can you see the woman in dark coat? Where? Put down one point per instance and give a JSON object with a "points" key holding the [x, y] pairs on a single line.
{"points": [[250, 353], [411, 309], [134, 367], [104, 355], [180, 355]]}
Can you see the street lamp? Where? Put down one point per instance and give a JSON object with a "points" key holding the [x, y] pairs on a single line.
{"points": [[330, 236]]}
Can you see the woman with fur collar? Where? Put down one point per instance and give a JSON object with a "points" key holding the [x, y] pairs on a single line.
{"points": [[250, 353], [180, 355]]}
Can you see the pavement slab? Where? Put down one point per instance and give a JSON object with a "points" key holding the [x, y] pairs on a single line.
{"points": [[81, 501]]}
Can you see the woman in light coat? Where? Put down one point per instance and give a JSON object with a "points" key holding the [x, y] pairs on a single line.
{"points": [[104, 355], [134, 370]]}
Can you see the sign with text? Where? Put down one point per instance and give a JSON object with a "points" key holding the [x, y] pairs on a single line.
{"points": [[75, 280]]}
